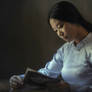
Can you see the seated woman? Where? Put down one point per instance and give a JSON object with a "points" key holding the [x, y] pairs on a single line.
{"points": [[73, 60]]}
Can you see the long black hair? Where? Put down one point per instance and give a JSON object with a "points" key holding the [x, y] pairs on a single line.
{"points": [[66, 11]]}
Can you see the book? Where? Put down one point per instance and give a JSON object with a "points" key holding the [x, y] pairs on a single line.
{"points": [[33, 77]]}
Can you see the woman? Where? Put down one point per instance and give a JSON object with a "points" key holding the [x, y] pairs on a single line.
{"points": [[73, 60]]}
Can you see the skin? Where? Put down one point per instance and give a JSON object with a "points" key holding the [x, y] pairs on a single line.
{"points": [[16, 81], [68, 31]]}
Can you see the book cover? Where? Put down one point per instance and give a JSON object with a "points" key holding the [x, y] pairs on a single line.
{"points": [[36, 78]]}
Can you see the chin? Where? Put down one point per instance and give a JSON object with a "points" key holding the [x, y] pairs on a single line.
{"points": [[67, 40]]}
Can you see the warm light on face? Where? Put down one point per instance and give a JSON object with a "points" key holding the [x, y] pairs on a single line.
{"points": [[63, 29]]}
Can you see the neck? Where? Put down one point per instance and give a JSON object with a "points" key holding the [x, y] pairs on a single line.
{"points": [[81, 35]]}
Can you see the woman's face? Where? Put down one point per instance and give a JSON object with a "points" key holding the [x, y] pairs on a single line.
{"points": [[64, 30]]}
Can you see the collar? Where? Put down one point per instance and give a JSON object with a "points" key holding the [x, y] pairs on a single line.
{"points": [[83, 42]]}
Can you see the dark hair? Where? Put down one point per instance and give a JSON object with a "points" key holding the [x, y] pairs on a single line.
{"points": [[66, 11]]}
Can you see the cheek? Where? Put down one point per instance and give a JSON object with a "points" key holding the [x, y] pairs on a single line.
{"points": [[68, 30]]}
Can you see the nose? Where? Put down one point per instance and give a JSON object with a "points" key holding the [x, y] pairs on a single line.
{"points": [[60, 33]]}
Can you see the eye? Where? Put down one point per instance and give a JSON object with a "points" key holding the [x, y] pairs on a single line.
{"points": [[56, 31], [60, 26]]}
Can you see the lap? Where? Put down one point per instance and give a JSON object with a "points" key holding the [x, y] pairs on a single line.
{"points": [[49, 88], [28, 88]]}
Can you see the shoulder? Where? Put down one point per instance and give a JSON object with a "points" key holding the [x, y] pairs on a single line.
{"points": [[65, 47], [88, 45], [89, 52], [88, 48]]}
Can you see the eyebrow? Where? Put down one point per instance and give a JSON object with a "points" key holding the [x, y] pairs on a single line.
{"points": [[55, 28], [59, 23]]}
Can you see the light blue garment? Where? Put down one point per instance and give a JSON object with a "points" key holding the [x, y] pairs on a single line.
{"points": [[74, 63]]}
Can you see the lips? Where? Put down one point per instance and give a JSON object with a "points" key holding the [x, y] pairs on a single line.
{"points": [[61, 35]]}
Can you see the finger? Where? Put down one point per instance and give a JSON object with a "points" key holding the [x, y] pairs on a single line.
{"points": [[15, 85], [13, 77], [19, 78], [16, 79]]}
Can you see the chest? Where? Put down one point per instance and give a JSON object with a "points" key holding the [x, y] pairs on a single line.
{"points": [[74, 58], [75, 66]]}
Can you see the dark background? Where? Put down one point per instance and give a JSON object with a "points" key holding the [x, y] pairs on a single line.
{"points": [[26, 39]]}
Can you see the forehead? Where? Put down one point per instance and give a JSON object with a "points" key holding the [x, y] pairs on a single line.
{"points": [[54, 22]]}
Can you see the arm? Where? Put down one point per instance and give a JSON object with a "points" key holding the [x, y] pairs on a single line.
{"points": [[51, 69], [54, 67]]}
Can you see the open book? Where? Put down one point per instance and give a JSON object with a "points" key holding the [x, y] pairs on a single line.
{"points": [[35, 77]]}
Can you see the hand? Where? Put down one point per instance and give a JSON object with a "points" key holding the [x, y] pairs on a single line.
{"points": [[16, 81]]}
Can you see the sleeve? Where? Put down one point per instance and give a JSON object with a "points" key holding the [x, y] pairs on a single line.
{"points": [[22, 75], [53, 68], [89, 56]]}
